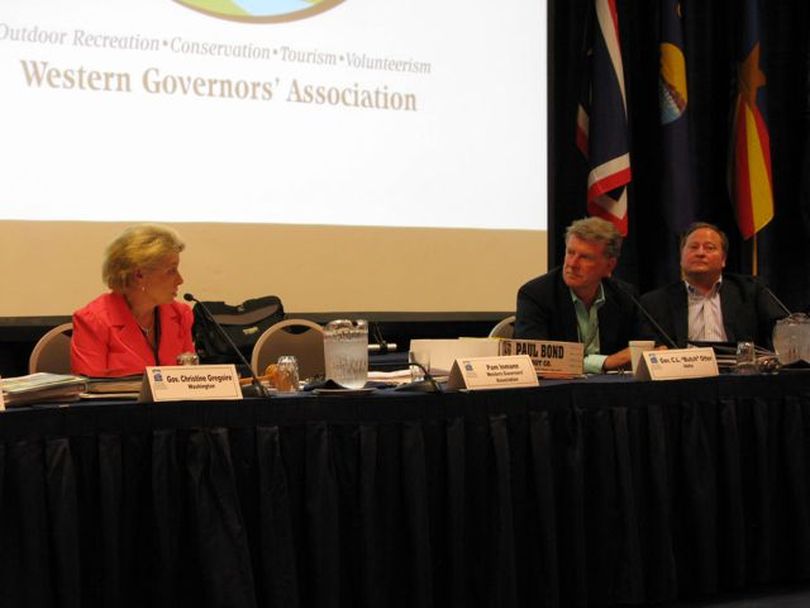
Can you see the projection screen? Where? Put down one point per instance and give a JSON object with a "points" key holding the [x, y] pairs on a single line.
{"points": [[344, 155]]}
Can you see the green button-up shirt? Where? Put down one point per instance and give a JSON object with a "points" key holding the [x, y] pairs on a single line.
{"points": [[588, 330]]}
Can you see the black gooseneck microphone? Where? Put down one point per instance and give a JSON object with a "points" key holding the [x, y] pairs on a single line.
{"points": [[382, 346], [428, 385], [618, 286], [260, 388], [773, 297]]}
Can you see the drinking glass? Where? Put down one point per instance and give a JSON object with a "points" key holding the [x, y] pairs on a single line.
{"points": [[746, 358], [637, 348], [287, 374], [188, 359], [423, 359]]}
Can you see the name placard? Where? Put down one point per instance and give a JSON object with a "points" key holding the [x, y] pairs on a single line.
{"points": [[190, 382], [677, 364], [549, 358], [479, 373]]}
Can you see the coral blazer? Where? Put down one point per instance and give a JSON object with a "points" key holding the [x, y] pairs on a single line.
{"points": [[108, 342]]}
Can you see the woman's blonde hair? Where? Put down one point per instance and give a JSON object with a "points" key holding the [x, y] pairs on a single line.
{"points": [[139, 246]]}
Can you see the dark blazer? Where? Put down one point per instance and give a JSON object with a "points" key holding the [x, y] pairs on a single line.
{"points": [[107, 341], [749, 312], [545, 311]]}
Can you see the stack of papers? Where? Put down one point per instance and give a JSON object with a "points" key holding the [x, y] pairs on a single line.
{"points": [[121, 384], [121, 387], [400, 376], [42, 387]]}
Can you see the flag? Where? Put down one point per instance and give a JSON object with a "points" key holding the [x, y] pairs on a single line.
{"points": [[750, 154], [677, 182], [602, 118]]}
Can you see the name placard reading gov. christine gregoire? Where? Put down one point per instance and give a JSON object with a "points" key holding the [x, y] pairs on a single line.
{"points": [[190, 383]]}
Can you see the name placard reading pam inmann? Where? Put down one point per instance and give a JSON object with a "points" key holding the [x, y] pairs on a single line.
{"points": [[477, 373], [190, 383], [549, 358]]}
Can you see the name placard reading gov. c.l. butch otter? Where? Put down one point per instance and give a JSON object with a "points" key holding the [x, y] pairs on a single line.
{"points": [[550, 358], [677, 364]]}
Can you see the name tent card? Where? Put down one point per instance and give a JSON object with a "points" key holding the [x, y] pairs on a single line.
{"points": [[479, 373], [677, 364], [550, 358], [190, 383]]}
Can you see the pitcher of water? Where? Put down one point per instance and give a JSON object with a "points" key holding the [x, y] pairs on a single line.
{"points": [[791, 338], [345, 352]]}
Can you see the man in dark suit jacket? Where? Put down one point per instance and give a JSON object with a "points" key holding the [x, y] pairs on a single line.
{"points": [[578, 302], [709, 305]]}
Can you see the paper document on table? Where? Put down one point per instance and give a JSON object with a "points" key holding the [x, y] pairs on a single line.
{"points": [[392, 375], [120, 384], [398, 376], [41, 387]]}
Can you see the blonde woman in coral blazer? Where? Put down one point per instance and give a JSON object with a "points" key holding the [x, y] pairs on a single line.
{"points": [[138, 323]]}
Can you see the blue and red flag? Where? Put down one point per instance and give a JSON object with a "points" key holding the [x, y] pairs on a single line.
{"points": [[677, 180], [602, 118], [750, 157]]}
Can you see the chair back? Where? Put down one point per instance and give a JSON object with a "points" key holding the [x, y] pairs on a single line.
{"points": [[298, 337], [52, 352], [505, 328]]}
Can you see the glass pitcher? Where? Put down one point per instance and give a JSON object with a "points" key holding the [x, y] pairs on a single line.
{"points": [[791, 338], [345, 352]]}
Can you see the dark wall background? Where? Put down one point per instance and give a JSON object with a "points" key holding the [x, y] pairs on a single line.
{"points": [[710, 31]]}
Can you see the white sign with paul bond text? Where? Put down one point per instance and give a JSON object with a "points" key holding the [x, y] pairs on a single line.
{"points": [[550, 358], [190, 383]]}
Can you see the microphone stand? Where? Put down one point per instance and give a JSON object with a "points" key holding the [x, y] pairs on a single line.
{"points": [[436, 387], [772, 295], [260, 388], [381, 343], [670, 342]]}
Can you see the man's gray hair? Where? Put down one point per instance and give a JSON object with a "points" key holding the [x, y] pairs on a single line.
{"points": [[597, 230]]}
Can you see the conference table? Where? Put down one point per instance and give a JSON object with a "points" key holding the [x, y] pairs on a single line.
{"points": [[593, 492]]}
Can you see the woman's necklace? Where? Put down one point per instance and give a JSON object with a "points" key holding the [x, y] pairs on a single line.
{"points": [[147, 330]]}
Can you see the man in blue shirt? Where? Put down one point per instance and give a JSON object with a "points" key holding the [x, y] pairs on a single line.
{"points": [[579, 302]]}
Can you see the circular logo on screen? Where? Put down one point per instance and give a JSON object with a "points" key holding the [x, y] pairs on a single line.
{"points": [[260, 11]]}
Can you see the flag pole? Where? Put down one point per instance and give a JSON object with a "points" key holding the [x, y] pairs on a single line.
{"points": [[754, 256]]}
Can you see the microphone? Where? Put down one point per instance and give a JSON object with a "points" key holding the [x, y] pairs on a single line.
{"points": [[618, 286], [260, 388], [428, 385], [773, 297], [381, 345], [383, 349]]}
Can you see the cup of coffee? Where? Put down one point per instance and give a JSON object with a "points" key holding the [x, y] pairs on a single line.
{"points": [[636, 348]]}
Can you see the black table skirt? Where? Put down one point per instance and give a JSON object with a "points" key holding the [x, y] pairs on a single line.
{"points": [[580, 494]]}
